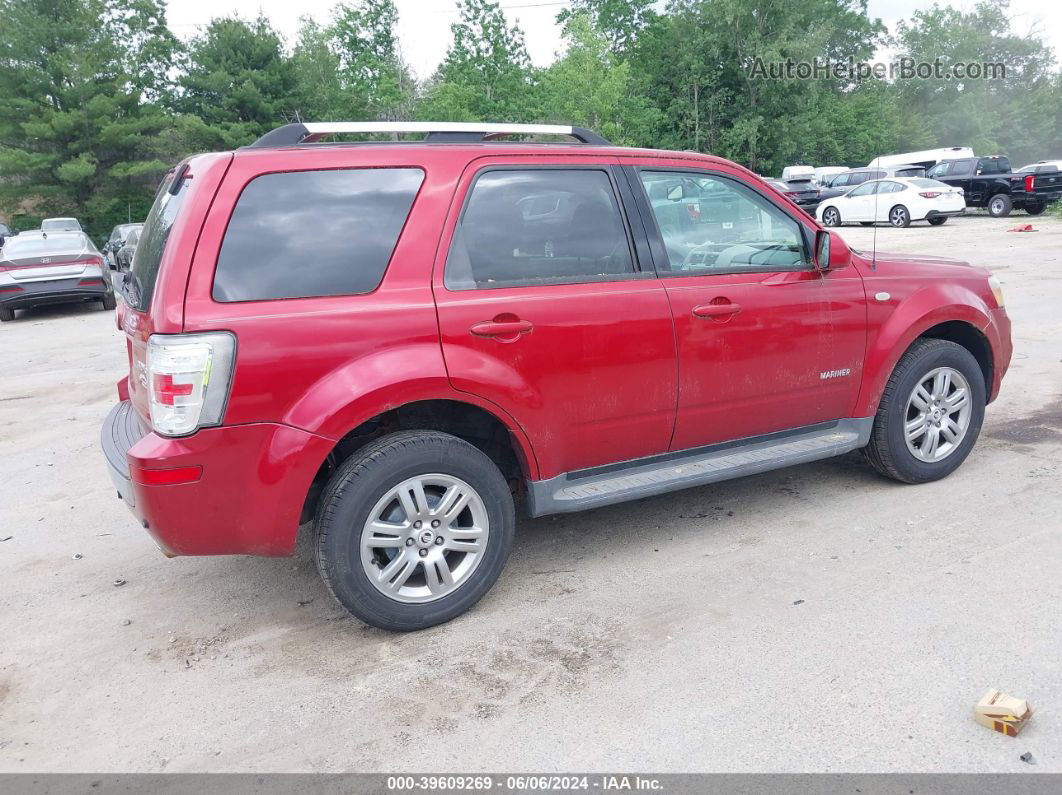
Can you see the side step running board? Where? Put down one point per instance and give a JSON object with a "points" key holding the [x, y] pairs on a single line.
{"points": [[577, 491]]}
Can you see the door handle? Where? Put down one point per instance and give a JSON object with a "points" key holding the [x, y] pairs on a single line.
{"points": [[716, 310], [501, 328]]}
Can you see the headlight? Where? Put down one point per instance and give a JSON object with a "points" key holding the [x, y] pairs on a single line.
{"points": [[997, 290]]}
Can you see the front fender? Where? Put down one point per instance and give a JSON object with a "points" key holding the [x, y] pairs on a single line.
{"points": [[930, 306]]}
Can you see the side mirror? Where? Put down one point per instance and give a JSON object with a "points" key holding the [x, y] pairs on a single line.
{"points": [[831, 252]]}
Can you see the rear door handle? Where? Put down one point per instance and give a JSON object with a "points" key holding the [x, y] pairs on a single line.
{"points": [[501, 328], [716, 310]]}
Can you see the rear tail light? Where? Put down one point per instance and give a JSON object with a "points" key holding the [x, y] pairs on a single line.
{"points": [[11, 289], [929, 194], [94, 282], [1029, 183], [189, 376]]}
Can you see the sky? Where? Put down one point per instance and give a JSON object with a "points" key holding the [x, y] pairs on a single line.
{"points": [[424, 25]]}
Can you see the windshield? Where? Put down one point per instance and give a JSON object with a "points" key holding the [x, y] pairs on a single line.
{"points": [[140, 284], [60, 225]]}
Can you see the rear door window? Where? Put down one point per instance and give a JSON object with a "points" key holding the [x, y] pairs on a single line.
{"points": [[524, 227], [299, 234]]}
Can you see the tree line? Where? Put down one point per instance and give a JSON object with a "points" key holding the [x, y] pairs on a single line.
{"points": [[98, 97]]}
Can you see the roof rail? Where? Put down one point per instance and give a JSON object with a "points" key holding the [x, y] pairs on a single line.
{"points": [[436, 131]]}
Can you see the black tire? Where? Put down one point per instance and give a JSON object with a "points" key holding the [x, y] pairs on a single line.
{"points": [[866, 223], [900, 217], [109, 301], [831, 216], [6, 314], [887, 451], [1000, 205], [1035, 208], [363, 480], [937, 220]]}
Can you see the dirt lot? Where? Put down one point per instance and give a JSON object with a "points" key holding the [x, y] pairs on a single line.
{"points": [[813, 619]]}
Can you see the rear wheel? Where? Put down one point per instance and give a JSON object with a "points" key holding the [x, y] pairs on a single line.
{"points": [[937, 220], [6, 314], [1035, 208], [1000, 205], [831, 217], [930, 414], [109, 301], [413, 530], [899, 216]]}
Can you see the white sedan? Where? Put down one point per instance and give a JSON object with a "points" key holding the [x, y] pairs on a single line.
{"points": [[896, 201]]}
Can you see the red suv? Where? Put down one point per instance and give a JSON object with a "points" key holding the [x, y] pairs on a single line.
{"points": [[400, 341]]}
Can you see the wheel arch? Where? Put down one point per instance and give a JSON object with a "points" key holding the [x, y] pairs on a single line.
{"points": [[961, 323], [483, 426]]}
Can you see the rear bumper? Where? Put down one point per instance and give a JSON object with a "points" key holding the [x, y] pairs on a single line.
{"points": [[249, 495], [945, 213], [52, 292]]}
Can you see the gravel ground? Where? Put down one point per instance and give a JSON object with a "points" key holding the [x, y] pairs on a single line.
{"points": [[817, 618]]}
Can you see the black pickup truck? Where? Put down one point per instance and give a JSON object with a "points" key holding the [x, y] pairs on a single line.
{"points": [[988, 182]]}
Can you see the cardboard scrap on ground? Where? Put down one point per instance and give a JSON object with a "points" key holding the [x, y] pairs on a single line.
{"points": [[1002, 713]]}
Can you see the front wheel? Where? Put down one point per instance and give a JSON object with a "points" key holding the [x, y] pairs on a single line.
{"points": [[937, 220], [1000, 205], [930, 414], [899, 216], [414, 529], [831, 217]]}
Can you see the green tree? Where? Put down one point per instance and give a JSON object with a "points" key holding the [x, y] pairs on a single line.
{"points": [[81, 128], [320, 94], [237, 81], [590, 87], [371, 65], [620, 21], [697, 63], [1014, 115], [487, 73]]}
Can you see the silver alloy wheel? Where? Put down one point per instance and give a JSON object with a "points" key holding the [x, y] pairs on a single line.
{"points": [[996, 205], [897, 216], [424, 538], [938, 414], [831, 217]]}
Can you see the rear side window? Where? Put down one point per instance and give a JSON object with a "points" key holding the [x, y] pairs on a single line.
{"points": [[541, 226], [300, 234]]}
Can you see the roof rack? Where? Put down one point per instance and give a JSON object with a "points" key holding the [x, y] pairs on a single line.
{"points": [[436, 131]]}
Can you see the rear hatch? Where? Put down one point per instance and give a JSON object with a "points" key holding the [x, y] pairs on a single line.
{"points": [[152, 290]]}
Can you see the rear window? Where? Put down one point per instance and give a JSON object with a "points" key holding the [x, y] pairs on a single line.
{"points": [[144, 270], [300, 234], [38, 245], [928, 183]]}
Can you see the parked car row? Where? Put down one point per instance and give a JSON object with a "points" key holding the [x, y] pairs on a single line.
{"points": [[984, 182]]}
